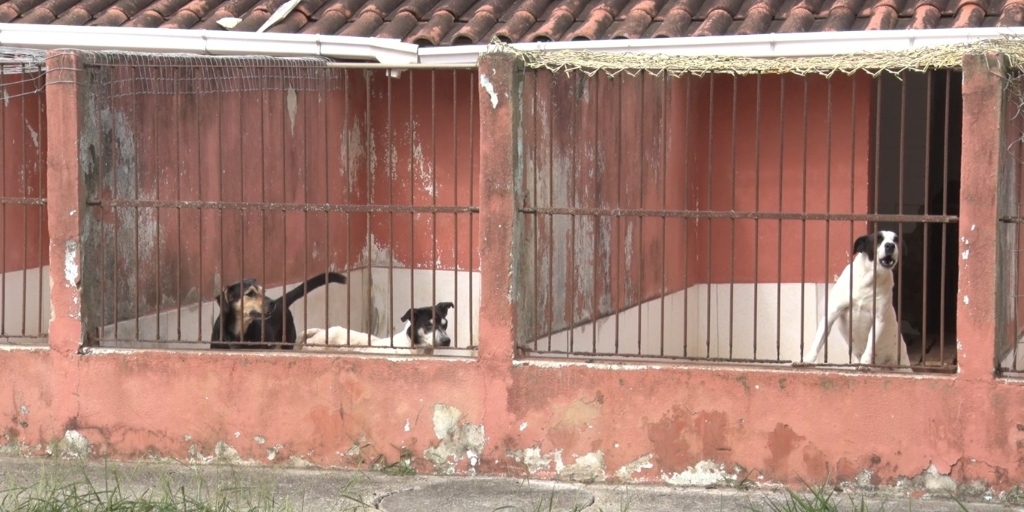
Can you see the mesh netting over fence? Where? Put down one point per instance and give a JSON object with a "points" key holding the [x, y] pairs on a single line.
{"points": [[921, 59]]}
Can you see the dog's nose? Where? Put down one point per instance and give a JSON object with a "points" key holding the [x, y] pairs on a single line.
{"points": [[890, 247], [444, 341]]}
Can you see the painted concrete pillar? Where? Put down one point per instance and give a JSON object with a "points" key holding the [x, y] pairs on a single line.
{"points": [[504, 244], [980, 309], [65, 200]]}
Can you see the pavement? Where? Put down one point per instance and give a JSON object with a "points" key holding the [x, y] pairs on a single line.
{"points": [[253, 488]]}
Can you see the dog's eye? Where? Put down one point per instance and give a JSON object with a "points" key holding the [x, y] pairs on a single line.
{"points": [[250, 293]]}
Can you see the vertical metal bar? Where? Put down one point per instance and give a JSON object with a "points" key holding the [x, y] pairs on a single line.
{"points": [[803, 223], [177, 272], [686, 222], [618, 295], [264, 140], [778, 270], [158, 165], [455, 217], [641, 220], [370, 188], [40, 173], [199, 213], [474, 167], [412, 197], [532, 200], [24, 220], [433, 190], [732, 222], [899, 203], [595, 201], [664, 205], [392, 167], [945, 210], [551, 203], [875, 199], [3, 224], [135, 180], [924, 226], [573, 176], [828, 174], [326, 93], [710, 204], [757, 203]]}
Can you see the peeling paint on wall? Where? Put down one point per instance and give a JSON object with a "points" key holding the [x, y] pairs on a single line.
{"points": [[485, 82], [458, 440], [702, 474], [626, 472], [587, 468], [71, 263]]}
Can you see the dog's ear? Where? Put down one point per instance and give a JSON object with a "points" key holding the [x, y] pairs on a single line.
{"points": [[864, 244], [442, 308], [408, 315], [222, 298]]}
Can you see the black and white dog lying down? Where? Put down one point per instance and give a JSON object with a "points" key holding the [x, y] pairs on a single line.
{"points": [[860, 305], [248, 319], [423, 329]]}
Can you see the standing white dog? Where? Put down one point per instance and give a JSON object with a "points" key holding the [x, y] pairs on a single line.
{"points": [[860, 305]]}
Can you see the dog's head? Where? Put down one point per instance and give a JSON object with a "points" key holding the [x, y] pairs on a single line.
{"points": [[882, 247], [428, 326], [244, 298]]}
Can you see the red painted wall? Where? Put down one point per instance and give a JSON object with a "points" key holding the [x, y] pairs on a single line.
{"points": [[348, 138], [710, 144], [23, 232]]}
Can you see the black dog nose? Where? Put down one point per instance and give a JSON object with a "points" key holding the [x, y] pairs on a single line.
{"points": [[889, 247]]}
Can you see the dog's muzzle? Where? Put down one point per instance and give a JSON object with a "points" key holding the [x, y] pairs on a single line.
{"points": [[889, 259], [444, 341]]}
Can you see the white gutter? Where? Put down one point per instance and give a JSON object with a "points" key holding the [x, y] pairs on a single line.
{"points": [[806, 44], [396, 53], [208, 42]]}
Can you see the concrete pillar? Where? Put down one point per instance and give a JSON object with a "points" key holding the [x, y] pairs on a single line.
{"points": [[65, 202], [980, 309], [504, 242]]}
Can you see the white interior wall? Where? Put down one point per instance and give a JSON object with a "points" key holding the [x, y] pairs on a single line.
{"points": [[784, 313], [26, 305]]}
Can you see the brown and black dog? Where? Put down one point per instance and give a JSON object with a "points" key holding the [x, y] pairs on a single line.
{"points": [[249, 320]]}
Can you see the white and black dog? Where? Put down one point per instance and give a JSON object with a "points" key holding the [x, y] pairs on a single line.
{"points": [[424, 328], [860, 305]]}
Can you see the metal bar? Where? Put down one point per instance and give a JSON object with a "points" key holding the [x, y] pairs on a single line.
{"points": [[782, 167], [664, 204], [711, 173], [757, 204], [315, 207], [803, 222], [732, 222], [720, 214], [27, 201]]}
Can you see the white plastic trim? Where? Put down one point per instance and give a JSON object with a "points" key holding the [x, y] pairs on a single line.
{"points": [[395, 52]]}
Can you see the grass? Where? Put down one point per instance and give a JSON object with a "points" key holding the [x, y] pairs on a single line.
{"points": [[72, 490], [824, 499]]}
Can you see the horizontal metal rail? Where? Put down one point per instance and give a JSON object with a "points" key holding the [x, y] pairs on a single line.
{"points": [[23, 200], [730, 214], [307, 207]]}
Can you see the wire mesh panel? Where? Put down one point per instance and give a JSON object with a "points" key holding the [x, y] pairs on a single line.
{"points": [[709, 217], [24, 238], [236, 196], [1010, 348]]}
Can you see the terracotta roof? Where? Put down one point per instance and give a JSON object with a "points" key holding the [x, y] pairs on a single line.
{"points": [[452, 22]]}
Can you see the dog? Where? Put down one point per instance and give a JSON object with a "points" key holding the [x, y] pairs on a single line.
{"points": [[249, 320], [860, 305], [424, 329]]}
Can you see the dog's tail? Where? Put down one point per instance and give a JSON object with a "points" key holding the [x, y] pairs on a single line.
{"points": [[314, 282]]}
